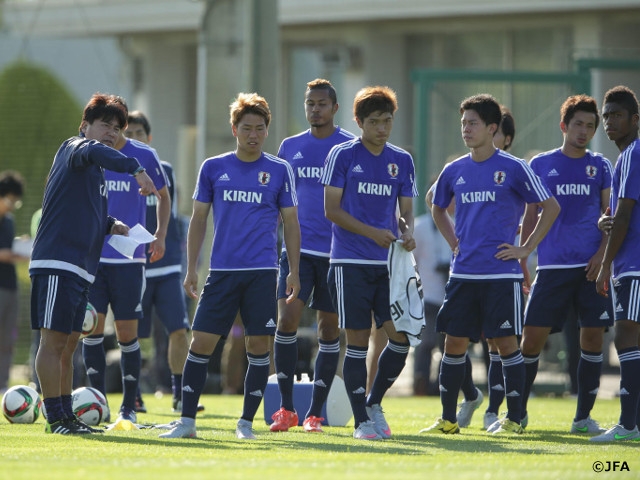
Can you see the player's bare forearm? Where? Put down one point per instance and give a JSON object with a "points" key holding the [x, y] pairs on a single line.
{"points": [[593, 266], [445, 225], [147, 187], [550, 211], [195, 239], [406, 222], [336, 214], [163, 213], [529, 220], [291, 234], [190, 284], [292, 240], [157, 249]]}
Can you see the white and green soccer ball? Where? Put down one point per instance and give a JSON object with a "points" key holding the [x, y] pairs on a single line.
{"points": [[21, 404]]}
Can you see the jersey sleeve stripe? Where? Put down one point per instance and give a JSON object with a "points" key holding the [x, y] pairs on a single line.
{"points": [[287, 166], [331, 162], [536, 182], [624, 170]]}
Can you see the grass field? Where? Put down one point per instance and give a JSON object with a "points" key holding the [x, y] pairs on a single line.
{"points": [[546, 450]]}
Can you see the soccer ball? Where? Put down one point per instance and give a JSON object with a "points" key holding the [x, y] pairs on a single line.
{"points": [[21, 404], [89, 405], [90, 321]]}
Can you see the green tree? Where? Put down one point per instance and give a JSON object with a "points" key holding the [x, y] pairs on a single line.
{"points": [[37, 113]]}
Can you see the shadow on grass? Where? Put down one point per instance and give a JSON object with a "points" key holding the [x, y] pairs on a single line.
{"points": [[336, 442], [206, 415]]}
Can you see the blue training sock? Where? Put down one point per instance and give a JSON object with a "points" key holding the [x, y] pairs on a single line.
{"points": [[95, 361], [390, 365], [285, 355], [255, 382], [354, 372], [495, 379], [514, 380], [130, 362], [323, 375], [194, 377], [452, 370], [468, 387], [589, 370], [629, 386]]}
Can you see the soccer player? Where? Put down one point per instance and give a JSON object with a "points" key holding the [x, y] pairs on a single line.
{"points": [[483, 295], [67, 248], [163, 279], [569, 256], [306, 153], [622, 257], [366, 181], [502, 139], [248, 189], [120, 280]]}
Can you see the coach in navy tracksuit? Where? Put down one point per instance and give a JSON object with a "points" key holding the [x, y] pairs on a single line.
{"points": [[67, 248]]}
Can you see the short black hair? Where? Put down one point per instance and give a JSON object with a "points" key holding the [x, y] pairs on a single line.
{"points": [[141, 119], [487, 108], [624, 97], [374, 99], [322, 84], [578, 103], [507, 126], [11, 183], [102, 106]]}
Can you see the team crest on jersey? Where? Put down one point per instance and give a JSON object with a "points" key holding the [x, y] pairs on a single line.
{"points": [[591, 171], [264, 178], [392, 168], [499, 177]]}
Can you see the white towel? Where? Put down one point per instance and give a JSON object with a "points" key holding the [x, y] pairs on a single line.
{"points": [[405, 293]]}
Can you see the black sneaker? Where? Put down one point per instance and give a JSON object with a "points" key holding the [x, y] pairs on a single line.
{"points": [[84, 425], [140, 408], [66, 426]]}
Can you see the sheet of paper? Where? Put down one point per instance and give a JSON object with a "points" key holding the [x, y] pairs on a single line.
{"points": [[127, 245]]}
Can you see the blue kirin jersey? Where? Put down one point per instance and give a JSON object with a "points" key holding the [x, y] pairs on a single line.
{"points": [[125, 202], [577, 184], [371, 186], [74, 210], [626, 184], [246, 198], [307, 154], [171, 262], [490, 199]]}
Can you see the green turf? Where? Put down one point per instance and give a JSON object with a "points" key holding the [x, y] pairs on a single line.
{"points": [[546, 450]]}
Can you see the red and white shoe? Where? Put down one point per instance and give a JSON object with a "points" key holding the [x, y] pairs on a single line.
{"points": [[283, 420], [313, 424]]}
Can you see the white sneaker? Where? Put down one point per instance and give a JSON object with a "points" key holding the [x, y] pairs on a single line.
{"points": [[376, 415], [244, 430], [489, 419], [617, 434], [126, 414], [507, 426], [180, 430], [467, 408], [366, 431], [494, 426], [167, 426], [587, 425]]}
